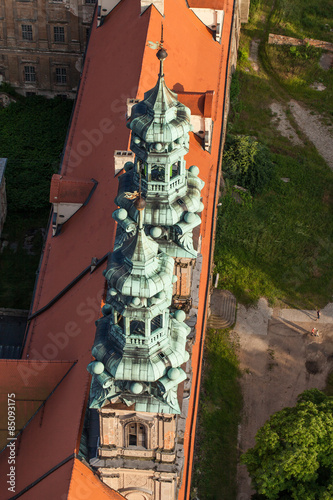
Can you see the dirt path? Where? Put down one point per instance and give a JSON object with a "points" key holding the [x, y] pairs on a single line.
{"points": [[253, 56], [279, 360], [310, 123], [283, 125], [312, 126]]}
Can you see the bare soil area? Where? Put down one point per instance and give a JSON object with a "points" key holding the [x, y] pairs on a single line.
{"points": [[283, 125], [279, 359], [310, 123], [312, 126], [253, 56]]}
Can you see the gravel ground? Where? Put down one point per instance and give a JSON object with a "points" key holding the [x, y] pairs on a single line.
{"points": [[312, 126], [283, 125], [279, 359], [253, 57]]}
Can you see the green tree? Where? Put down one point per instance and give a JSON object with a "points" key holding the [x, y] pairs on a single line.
{"points": [[32, 132], [247, 162], [293, 455]]}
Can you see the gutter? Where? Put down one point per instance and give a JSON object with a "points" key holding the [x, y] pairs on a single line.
{"points": [[196, 384]]}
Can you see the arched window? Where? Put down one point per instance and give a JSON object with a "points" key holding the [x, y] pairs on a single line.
{"points": [[135, 435]]}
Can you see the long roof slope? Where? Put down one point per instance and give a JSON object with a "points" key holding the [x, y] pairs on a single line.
{"points": [[118, 65]]}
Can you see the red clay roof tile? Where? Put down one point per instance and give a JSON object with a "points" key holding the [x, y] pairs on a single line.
{"points": [[31, 383]]}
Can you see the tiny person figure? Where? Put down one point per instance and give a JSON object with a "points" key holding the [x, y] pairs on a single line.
{"points": [[318, 313], [317, 333], [313, 331]]}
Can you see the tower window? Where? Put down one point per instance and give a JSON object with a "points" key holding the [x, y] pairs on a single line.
{"points": [[157, 173], [137, 327], [156, 322], [26, 32], [135, 435], [29, 73], [119, 320], [175, 169], [59, 33]]}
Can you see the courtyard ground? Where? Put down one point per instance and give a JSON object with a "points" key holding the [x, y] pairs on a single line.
{"points": [[279, 359]]}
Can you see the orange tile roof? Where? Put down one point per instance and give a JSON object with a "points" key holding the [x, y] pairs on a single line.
{"points": [[31, 383], [85, 484], [194, 101], [70, 480], [208, 4], [54, 485], [118, 65], [67, 190]]}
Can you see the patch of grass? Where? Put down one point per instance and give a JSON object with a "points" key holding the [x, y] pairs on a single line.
{"points": [[296, 69], [219, 415], [279, 245], [303, 19], [33, 132]]}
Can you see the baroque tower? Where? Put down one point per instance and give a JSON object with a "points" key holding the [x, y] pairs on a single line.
{"points": [[140, 347]]}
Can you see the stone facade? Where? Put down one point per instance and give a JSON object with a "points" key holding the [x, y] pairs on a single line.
{"points": [[42, 43], [244, 6], [138, 453], [127, 433]]}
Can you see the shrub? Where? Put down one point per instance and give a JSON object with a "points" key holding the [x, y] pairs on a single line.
{"points": [[247, 163]]}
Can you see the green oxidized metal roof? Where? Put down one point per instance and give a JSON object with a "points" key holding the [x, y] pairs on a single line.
{"points": [[160, 99], [139, 252], [160, 117], [137, 269]]}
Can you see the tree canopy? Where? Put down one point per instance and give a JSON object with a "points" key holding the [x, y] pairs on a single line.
{"points": [[293, 455], [33, 132]]}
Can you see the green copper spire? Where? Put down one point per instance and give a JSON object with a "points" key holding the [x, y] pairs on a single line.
{"points": [[137, 340], [140, 343], [160, 127]]}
